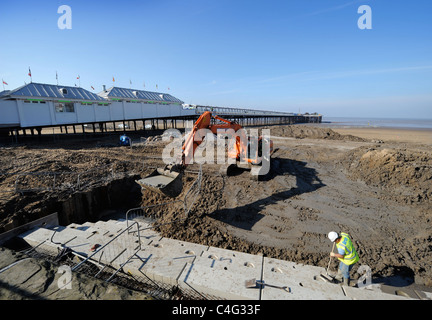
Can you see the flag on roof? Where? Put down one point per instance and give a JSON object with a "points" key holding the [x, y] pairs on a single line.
{"points": [[113, 79], [30, 75], [4, 82], [92, 87], [78, 77]]}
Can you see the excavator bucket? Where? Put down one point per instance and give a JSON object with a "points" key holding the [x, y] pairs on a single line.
{"points": [[165, 182]]}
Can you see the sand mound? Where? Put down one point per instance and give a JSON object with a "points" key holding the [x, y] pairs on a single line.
{"points": [[406, 174], [310, 132]]}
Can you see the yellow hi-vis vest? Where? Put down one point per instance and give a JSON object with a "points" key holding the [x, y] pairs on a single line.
{"points": [[351, 255]]}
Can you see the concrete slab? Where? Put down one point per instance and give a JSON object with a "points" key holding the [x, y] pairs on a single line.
{"points": [[64, 234], [300, 291], [88, 224], [110, 227], [166, 270], [35, 237], [219, 282], [365, 294], [147, 234], [80, 242], [223, 264], [228, 259], [90, 229], [300, 279], [165, 259], [72, 238], [114, 227], [44, 222], [206, 270], [303, 273]]}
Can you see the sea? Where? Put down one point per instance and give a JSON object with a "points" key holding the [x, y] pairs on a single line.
{"points": [[378, 122]]}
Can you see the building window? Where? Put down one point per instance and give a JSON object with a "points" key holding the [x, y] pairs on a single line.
{"points": [[34, 101], [64, 107]]}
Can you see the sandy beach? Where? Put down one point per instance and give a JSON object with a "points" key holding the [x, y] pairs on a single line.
{"points": [[372, 183], [423, 136]]}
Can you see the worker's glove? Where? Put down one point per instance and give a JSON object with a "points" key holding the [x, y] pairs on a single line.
{"points": [[332, 254]]}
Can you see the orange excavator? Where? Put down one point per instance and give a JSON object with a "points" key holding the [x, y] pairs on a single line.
{"points": [[242, 154]]}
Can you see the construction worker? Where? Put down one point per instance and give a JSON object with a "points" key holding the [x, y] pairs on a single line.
{"points": [[346, 254]]}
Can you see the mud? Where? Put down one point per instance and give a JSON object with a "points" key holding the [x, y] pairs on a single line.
{"points": [[379, 193], [35, 279]]}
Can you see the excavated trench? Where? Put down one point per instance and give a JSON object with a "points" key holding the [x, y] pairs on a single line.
{"points": [[91, 204], [117, 195]]}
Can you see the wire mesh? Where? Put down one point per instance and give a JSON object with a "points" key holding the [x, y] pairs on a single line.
{"points": [[118, 251], [156, 289]]}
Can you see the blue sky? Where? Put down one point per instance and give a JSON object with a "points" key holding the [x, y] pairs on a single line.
{"points": [[298, 55]]}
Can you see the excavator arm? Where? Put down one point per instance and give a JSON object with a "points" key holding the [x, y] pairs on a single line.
{"points": [[204, 122], [168, 181]]}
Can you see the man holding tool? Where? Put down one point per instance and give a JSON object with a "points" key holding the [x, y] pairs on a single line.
{"points": [[346, 254]]}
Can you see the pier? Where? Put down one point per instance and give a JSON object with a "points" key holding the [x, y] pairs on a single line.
{"points": [[36, 109]]}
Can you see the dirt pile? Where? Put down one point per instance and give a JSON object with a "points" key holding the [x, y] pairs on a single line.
{"points": [[198, 226], [36, 181], [406, 174], [310, 132]]}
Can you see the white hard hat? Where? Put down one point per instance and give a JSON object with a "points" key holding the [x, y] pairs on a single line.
{"points": [[333, 236]]}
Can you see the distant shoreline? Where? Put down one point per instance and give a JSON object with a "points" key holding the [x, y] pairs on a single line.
{"points": [[377, 123], [344, 126]]}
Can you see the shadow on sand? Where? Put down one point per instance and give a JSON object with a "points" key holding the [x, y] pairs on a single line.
{"points": [[246, 216]]}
